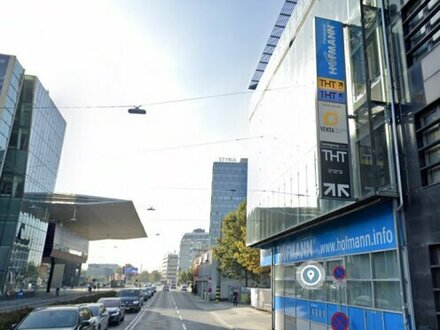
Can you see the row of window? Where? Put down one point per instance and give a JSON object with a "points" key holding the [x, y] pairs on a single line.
{"points": [[421, 22], [372, 280], [428, 139]]}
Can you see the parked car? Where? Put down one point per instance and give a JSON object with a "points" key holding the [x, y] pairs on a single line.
{"points": [[173, 285], [183, 288], [100, 312], [59, 317], [131, 298], [115, 309]]}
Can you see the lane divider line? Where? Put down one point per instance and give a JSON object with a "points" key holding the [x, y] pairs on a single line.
{"points": [[142, 311], [178, 312]]}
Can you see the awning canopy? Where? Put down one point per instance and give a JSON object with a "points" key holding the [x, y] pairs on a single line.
{"points": [[90, 217]]}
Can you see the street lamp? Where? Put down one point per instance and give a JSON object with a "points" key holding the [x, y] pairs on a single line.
{"points": [[137, 110]]}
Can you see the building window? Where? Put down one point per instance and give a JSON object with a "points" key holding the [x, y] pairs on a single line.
{"points": [[428, 140], [421, 22], [372, 281], [434, 253]]}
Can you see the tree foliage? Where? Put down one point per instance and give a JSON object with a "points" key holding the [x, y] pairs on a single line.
{"points": [[236, 260], [185, 277]]}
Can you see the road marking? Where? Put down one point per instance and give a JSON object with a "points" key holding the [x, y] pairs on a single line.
{"points": [[178, 312], [138, 317]]}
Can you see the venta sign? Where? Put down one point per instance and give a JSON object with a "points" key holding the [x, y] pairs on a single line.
{"points": [[331, 111]]}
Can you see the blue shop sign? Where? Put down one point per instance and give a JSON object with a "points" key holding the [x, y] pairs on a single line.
{"points": [[329, 49], [369, 230]]}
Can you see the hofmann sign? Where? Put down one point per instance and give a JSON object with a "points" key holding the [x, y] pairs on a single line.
{"points": [[333, 135], [365, 231]]}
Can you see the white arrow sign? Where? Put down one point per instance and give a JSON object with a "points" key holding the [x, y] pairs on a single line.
{"points": [[331, 187], [342, 189]]}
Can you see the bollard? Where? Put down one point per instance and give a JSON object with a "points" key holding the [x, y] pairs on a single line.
{"points": [[217, 294]]}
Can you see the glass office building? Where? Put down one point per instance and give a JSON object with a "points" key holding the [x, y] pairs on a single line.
{"points": [[31, 166], [41, 242], [346, 175], [11, 78], [191, 245], [229, 189]]}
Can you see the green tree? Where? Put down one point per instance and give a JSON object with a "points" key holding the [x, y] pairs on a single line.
{"points": [[236, 260], [185, 276], [155, 276]]}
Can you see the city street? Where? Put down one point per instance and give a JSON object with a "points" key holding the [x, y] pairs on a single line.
{"points": [[181, 310]]}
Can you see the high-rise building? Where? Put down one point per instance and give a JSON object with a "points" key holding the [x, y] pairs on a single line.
{"points": [[30, 166], [169, 267], [191, 245], [228, 190], [41, 240], [344, 185]]}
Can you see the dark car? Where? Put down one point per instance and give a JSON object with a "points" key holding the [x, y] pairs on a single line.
{"points": [[115, 309], [147, 293], [131, 298], [100, 312], [59, 317]]}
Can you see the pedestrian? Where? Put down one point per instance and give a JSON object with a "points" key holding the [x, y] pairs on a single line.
{"points": [[235, 298], [57, 291]]}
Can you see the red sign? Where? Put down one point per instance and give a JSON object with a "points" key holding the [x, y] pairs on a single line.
{"points": [[340, 321], [339, 273]]}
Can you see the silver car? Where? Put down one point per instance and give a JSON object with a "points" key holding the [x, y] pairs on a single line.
{"points": [[59, 318], [100, 312]]}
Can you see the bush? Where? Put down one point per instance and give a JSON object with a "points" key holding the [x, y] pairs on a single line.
{"points": [[10, 318]]}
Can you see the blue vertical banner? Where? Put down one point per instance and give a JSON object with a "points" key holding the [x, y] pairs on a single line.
{"points": [[329, 49], [331, 111]]}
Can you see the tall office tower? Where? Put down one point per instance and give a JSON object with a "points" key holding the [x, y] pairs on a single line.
{"points": [[30, 166], [229, 189], [191, 245], [169, 267], [11, 79]]}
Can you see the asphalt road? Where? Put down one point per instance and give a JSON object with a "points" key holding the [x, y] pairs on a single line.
{"points": [[172, 310]]}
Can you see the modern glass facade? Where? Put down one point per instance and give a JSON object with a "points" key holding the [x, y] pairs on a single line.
{"points": [[283, 168], [191, 245], [11, 79], [290, 216], [229, 189], [30, 166]]}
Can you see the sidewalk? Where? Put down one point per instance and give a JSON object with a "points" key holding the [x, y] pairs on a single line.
{"points": [[242, 317]]}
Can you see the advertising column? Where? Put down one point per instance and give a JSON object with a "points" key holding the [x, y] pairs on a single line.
{"points": [[333, 135]]}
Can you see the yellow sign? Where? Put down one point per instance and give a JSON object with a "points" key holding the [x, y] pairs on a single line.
{"points": [[330, 118], [331, 84]]}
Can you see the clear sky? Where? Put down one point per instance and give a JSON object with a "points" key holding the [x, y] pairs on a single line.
{"points": [[132, 52]]}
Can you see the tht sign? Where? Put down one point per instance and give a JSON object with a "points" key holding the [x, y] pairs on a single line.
{"points": [[331, 111]]}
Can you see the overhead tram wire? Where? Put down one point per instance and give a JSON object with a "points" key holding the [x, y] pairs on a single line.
{"points": [[196, 98], [185, 146]]}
